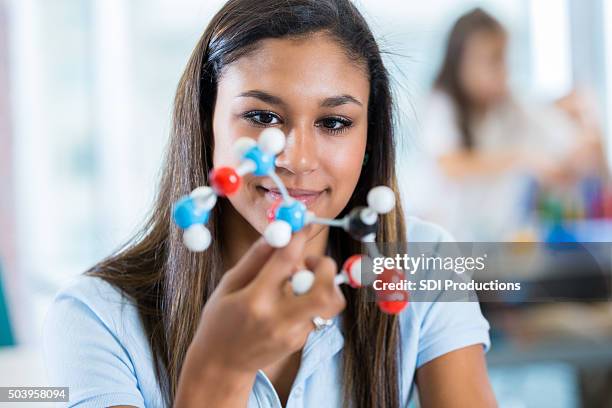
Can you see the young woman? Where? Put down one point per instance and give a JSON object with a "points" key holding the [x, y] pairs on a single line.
{"points": [[484, 141], [156, 325]]}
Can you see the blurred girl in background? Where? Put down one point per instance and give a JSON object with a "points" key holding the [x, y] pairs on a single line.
{"points": [[484, 143]]}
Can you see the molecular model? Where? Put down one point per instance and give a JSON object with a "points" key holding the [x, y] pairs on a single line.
{"points": [[288, 215]]}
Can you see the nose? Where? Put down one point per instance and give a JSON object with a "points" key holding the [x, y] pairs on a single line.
{"points": [[300, 156]]}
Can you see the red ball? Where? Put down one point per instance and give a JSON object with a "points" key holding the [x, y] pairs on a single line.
{"points": [[347, 267], [392, 301], [271, 213], [224, 180], [392, 306]]}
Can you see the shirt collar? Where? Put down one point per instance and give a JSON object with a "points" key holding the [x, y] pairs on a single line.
{"points": [[320, 346]]}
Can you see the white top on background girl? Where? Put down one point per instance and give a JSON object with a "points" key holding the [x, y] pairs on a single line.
{"points": [[156, 325], [480, 146]]}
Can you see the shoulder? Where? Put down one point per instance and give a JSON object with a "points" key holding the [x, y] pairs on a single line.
{"points": [[440, 99], [87, 305], [95, 297], [433, 328], [419, 230], [90, 289], [439, 105], [94, 343], [439, 131]]}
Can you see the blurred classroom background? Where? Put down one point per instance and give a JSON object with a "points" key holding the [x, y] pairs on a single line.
{"points": [[86, 89]]}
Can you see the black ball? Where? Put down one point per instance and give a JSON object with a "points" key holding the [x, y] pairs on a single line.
{"points": [[363, 221]]}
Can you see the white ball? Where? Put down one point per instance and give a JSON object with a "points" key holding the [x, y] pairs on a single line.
{"points": [[242, 145], [204, 197], [381, 199], [278, 234], [272, 141], [368, 216], [197, 238], [301, 281]]}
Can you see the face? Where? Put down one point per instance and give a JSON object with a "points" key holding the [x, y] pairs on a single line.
{"points": [[312, 91], [483, 73]]}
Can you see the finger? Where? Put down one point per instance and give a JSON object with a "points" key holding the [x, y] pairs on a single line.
{"points": [[248, 266], [325, 269], [294, 332], [283, 262], [324, 298]]}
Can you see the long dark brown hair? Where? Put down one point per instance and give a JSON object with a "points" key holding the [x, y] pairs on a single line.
{"points": [[448, 79], [171, 285]]}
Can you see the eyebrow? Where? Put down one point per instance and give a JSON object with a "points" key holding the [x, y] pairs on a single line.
{"points": [[330, 102], [263, 96], [339, 100]]}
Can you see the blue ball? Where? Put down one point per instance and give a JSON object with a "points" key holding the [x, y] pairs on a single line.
{"points": [[294, 214], [264, 162], [184, 213]]}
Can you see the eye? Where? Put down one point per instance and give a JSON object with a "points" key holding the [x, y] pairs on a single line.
{"points": [[262, 118], [335, 124]]}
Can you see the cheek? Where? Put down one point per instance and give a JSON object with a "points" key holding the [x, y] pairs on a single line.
{"points": [[224, 139], [226, 130], [473, 75], [476, 83], [466, 77], [343, 164]]}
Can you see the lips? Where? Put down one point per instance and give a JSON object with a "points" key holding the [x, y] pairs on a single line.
{"points": [[307, 197]]}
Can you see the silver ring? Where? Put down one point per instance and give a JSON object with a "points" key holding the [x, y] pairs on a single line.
{"points": [[321, 323]]}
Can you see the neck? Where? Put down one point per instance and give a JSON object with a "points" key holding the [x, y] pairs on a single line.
{"points": [[237, 235]]}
